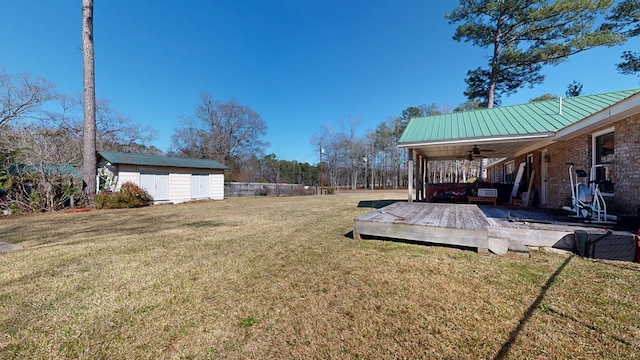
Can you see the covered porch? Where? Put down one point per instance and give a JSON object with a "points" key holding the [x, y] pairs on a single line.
{"points": [[533, 140], [484, 150]]}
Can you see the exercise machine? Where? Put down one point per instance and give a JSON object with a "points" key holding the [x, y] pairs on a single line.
{"points": [[587, 202]]}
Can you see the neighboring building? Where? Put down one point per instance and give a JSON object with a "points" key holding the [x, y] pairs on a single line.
{"points": [[601, 129], [65, 170], [166, 179], [42, 186]]}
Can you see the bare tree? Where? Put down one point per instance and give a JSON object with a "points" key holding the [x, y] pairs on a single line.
{"points": [[42, 144], [227, 132], [38, 176], [21, 96], [89, 134], [114, 130], [344, 154], [58, 138]]}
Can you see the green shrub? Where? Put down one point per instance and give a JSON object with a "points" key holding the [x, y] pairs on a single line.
{"points": [[130, 195], [101, 200]]}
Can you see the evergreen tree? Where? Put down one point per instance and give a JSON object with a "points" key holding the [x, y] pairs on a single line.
{"points": [[574, 89], [625, 19], [524, 35]]}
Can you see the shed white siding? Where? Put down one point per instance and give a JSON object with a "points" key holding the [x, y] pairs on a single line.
{"points": [[179, 182], [127, 174], [216, 186], [181, 185]]}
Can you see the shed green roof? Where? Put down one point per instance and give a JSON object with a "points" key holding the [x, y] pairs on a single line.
{"points": [[49, 169], [540, 117], [118, 158]]}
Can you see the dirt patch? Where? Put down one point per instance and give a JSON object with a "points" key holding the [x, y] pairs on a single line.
{"points": [[79, 210]]}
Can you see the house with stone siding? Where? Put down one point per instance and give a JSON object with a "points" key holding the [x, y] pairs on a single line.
{"points": [[537, 140]]}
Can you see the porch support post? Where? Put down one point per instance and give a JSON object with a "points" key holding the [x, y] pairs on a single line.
{"points": [[423, 177], [418, 164], [410, 177]]}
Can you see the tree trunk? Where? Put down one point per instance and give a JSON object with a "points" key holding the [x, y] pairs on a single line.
{"points": [[89, 134], [493, 78]]}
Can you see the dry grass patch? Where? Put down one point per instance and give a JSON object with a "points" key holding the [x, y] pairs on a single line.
{"points": [[279, 278]]}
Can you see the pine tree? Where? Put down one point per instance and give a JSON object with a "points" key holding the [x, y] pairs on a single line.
{"points": [[523, 36], [89, 134]]}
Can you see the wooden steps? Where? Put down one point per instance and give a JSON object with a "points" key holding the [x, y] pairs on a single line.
{"points": [[503, 246], [518, 248]]}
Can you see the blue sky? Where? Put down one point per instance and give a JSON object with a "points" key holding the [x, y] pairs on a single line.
{"points": [[300, 64]]}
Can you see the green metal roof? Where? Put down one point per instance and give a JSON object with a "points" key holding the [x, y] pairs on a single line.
{"points": [[538, 117], [154, 160], [49, 169]]}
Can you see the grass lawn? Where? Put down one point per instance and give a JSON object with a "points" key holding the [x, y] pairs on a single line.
{"points": [[279, 278]]}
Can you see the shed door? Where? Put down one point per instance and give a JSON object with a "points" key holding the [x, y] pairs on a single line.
{"points": [[199, 186], [156, 184], [162, 187]]}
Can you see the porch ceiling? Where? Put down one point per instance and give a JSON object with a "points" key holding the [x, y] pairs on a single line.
{"points": [[489, 148]]}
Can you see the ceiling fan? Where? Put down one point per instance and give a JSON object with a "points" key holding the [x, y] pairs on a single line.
{"points": [[470, 156], [475, 150]]}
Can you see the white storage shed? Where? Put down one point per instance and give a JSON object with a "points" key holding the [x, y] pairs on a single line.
{"points": [[166, 179]]}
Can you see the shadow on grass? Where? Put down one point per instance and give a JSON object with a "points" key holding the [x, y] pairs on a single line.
{"points": [[47, 229], [377, 204], [506, 347]]}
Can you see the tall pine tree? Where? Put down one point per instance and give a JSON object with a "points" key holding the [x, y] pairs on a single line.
{"points": [[89, 133], [523, 36]]}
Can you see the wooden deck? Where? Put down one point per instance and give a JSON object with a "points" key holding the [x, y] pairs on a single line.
{"points": [[483, 227]]}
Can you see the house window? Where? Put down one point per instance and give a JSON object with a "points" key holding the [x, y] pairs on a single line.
{"points": [[603, 154], [510, 172], [494, 174]]}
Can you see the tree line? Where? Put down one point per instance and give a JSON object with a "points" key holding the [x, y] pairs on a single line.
{"points": [[374, 159]]}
